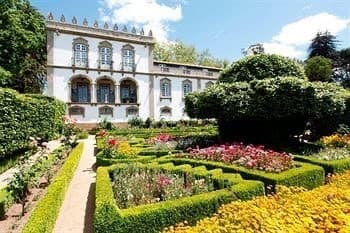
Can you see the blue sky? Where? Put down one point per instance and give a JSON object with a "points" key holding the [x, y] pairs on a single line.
{"points": [[225, 27]]}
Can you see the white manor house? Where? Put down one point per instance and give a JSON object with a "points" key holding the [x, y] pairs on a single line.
{"points": [[109, 73]]}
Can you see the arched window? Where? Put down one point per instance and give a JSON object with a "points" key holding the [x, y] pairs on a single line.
{"points": [[80, 90], [208, 84], [128, 58], [128, 92], [165, 112], [105, 91], [132, 112], [105, 53], [76, 111], [165, 88], [80, 49], [186, 87]]}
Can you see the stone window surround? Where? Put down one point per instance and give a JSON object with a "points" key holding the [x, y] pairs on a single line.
{"points": [[82, 109], [80, 40], [131, 108], [105, 44], [100, 109], [166, 108], [132, 49], [184, 82], [161, 81]]}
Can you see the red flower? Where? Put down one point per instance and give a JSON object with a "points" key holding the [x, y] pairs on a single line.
{"points": [[112, 142]]}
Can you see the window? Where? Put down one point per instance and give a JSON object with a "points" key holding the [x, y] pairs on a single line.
{"points": [[80, 92], [186, 87], [128, 58], [164, 68], [105, 91], [165, 112], [80, 55], [208, 84], [132, 112], [128, 92], [165, 87], [105, 111], [105, 56], [76, 111]]}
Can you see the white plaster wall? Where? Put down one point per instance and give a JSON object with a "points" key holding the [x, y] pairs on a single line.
{"points": [[63, 52]]}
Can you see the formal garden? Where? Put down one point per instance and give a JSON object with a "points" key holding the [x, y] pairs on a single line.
{"points": [[265, 149]]}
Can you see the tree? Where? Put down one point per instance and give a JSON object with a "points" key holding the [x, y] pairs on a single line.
{"points": [[182, 53], [324, 44], [319, 69], [261, 66], [341, 72], [22, 46]]}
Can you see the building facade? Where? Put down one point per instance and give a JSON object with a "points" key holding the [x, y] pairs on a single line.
{"points": [[108, 73]]}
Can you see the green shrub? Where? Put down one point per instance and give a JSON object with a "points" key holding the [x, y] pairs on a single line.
{"points": [[83, 135], [154, 217], [331, 166], [101, 161], [22, 116], [271, 108], [43, 217], [305, 175], [260, 67], [319, 69]]}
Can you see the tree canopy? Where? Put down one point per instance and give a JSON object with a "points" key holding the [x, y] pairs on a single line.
{"points": [[324, 44], [182, 53], [22, 46], [319, 69]]}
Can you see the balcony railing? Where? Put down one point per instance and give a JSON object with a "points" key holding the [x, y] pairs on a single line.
{"points": [[82, 63], [128, 67], [104, 66]]}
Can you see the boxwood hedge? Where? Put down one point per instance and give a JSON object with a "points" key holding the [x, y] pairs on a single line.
{"points": [[332, 166], [154, 217], [304, 174], [22, 116], [43, 217]]}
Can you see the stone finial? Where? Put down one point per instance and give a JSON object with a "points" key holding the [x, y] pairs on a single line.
{"points": [[63, 19], [125, 29], [115, 28], [96, 24], [106, 26], [74, 20], [85, 22], [150, 33], [50, 16], [133, 30], [142, 32]]}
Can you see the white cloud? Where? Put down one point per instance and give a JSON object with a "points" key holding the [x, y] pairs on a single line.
{"points": [[300, 33], [282, 49], [149, 14]]}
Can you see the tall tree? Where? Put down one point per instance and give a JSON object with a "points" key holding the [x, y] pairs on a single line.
{"points": [[324, 44], [182, 53], [22, 46]]}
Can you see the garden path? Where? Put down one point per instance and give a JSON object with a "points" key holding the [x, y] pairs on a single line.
{"points": [[76, 214], [7, 175]]}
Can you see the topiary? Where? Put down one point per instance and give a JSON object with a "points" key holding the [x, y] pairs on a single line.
{"points": [[260, 67], [319, 69]]}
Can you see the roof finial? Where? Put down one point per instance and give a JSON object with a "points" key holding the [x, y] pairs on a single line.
{"points": [[63, 19], [125, 29], [50, 16], [106, 26], [96, 24], [74, 20], [85, 22], [133, 30], [142, 32], [150, 33], [115, 28]]}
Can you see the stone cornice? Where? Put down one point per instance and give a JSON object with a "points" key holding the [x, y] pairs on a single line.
{"points": [[80, 30], [133, 73]]}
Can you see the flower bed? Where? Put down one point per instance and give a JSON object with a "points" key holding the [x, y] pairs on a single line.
{"points": [[325, 209], [154, 217], [302, 174], [254, 157], [135, 186]]}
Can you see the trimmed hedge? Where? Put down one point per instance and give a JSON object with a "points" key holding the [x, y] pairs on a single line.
{"points": [[306, 175], [22, 116], [100, 161], [44, 215], [154, 217], [332, 166]]}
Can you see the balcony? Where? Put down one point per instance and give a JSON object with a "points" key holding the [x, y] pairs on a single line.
{"points": [[130, 67], [104, 66]]}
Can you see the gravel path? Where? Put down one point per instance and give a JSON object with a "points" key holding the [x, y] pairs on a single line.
{"points": [[6, 176], [76, 214]]}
